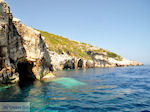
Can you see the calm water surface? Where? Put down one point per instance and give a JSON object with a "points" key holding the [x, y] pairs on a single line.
{"points": [[124, 89]]}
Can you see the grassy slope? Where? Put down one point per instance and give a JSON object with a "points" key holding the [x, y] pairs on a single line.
{"points": [[60, 45]]}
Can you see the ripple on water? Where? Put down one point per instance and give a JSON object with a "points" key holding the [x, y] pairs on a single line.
{"points": [[123, 89]]}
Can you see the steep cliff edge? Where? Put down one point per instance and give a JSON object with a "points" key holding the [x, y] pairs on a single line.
{"points": [[68, 54], [29, 54], [23, 53]]}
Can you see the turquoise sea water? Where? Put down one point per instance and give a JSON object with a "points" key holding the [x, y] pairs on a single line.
{"points": [[123, 89]]}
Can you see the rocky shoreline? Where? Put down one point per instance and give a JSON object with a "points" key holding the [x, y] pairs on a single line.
{"points": [[24, 55]]}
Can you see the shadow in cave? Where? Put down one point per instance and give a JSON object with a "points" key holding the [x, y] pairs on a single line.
{"points": [[80, 63], [26, 75]]}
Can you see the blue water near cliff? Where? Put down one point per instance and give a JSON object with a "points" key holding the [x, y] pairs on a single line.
{"points": [[123, 89]]}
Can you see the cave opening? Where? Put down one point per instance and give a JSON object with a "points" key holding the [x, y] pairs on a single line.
{"points": [[25, 72], [80, 63], [69, 65]]}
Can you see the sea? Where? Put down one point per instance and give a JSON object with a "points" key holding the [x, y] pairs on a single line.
{"points": [[120, 89]]}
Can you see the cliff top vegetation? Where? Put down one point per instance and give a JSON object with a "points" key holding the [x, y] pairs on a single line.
{"points": [[62, 45]]}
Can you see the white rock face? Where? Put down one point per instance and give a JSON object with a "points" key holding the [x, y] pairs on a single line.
{"points": [[123, 62], [64, 61], [16, 20], [10, 46], [35, 49], [20, 45], [59, 60], [102, 60]]}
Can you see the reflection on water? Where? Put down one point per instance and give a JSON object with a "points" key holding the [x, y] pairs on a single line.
{"points": [[68, 82], [91, 90]]}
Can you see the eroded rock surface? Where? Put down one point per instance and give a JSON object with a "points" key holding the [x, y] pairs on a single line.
{"points": [[102, 60], [10, 44], [35, 49], [21, 46]]}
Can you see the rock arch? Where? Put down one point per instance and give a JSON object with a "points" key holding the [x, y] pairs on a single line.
{"points": [[80, 63], [25, 71], [70, 64]]}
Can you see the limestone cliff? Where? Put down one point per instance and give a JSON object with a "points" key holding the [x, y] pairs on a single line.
{"points": [[23, 53], [10, 46], [103, 60], [35, 49], [68, 54], [65, 61]]}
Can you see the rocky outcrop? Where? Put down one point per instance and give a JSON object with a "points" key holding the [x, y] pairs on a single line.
{"points": [[102, 60], [124, 62], [35, 48], [8, 75], [90, 64], [10, 45], [61, 61], [64, 61], [22, 50]]}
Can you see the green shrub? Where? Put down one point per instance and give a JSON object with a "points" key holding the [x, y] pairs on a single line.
{"points": [[61, 45], [114, 55]]}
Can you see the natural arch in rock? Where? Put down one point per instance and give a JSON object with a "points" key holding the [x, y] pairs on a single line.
{"points": [[80, 63], [70, 64], [25, 71]]}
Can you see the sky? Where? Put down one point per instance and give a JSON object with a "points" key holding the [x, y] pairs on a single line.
{"points": [[120, 26]]}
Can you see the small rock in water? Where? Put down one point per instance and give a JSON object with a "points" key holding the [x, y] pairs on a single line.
{"points": [[48, 76]]}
